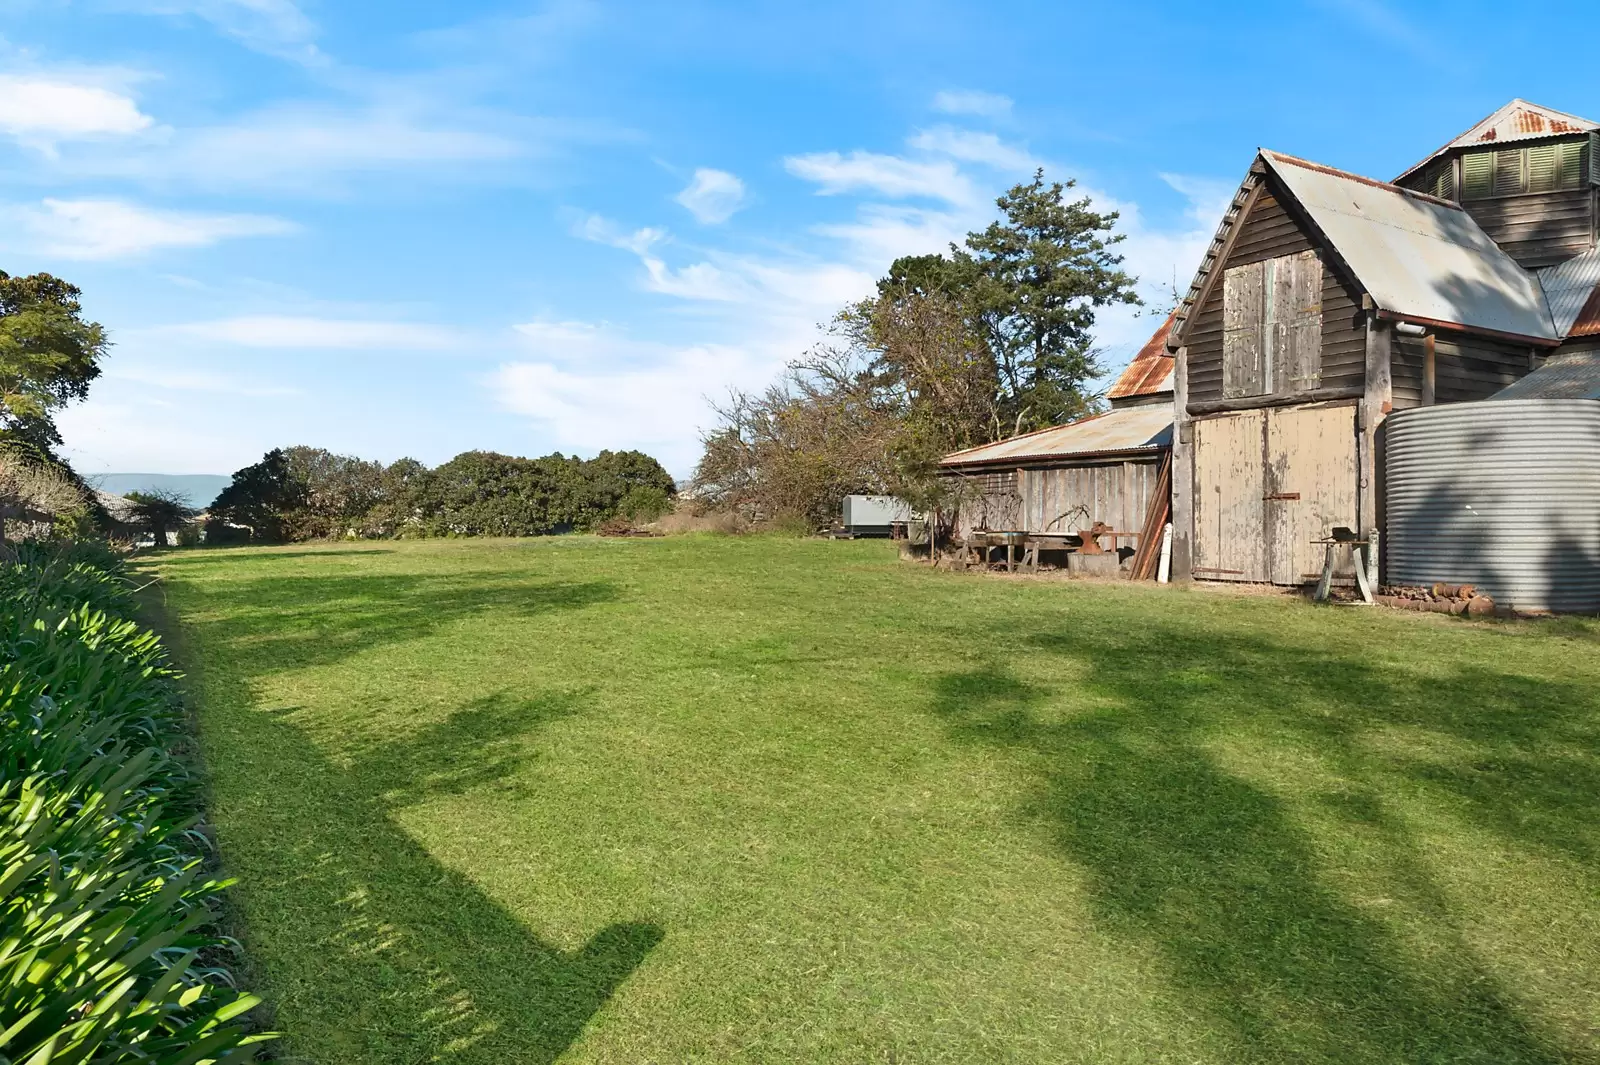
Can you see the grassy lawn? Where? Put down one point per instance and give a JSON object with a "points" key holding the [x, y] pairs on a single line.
{"points": [[733, 800]]}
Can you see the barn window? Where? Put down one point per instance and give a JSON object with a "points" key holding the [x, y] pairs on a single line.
{"points": [[1554, 167], [1272, 327]]}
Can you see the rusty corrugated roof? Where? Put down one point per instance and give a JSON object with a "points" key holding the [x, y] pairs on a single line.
{"points": [[1150, 372], [1587, 324], [1128, 430], [1518, 120]]}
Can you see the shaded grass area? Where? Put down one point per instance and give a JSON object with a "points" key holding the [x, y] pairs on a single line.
{"points": [[767, 800]]}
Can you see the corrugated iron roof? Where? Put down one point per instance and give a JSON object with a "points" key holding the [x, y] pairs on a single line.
{"points": [[1587, 324], [1568, 287], [1417, 256], [1574, 375], [1518, 120], [1129, 429], [1150, 372]]}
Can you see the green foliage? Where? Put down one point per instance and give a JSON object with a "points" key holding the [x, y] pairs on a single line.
{"points": [[258, 504], [305, 493], [953, 351], [159, 512], [1037, 279], [107, 947], [48, 354]]}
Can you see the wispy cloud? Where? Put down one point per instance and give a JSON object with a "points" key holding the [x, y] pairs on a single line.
{"points": [[971, 146], [712, 196], [970, 102], [192, 380], [305, 332], [113, 229], [274, 27], [601, 230], [42, 110], [888, 175], [306, 148]]}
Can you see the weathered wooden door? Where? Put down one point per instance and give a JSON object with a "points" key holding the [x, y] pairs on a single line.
{"points": [[1267, 484], [1228, 508], [1310, 486]]}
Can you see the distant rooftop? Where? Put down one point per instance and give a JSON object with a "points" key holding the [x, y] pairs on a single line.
{"points": [[1150, 372]]}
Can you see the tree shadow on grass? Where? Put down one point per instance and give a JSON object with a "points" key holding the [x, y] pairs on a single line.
{"points": [[1218, 873], [283, 622], [373, 950]]}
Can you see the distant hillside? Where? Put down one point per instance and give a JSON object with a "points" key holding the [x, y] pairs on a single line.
{"points": [[198, 488]]}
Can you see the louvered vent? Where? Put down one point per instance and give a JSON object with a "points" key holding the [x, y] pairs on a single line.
{"points": [[1444, 181], [1477, 175], [1544, 168], [1508, 178]]}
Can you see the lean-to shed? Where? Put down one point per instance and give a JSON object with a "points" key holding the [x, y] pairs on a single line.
{"points": [[1101, 468]]}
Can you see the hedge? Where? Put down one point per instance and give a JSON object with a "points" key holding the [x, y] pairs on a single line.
{"points": [[109, 947]]}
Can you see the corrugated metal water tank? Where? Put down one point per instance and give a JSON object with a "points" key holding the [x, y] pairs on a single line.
{"points": [[1503, 494]]}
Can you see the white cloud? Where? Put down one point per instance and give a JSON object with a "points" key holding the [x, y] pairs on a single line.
{"points": [[301, 146], [601, 230], [1209, 198], [42, 110], [713, 196], [970, 146], [274, 27], [959, 102], [112, 229], [190, 380], [592, 386], [315, 148], [888, 175], [306, 332]]}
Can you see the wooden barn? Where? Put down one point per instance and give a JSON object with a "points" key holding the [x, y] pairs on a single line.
{"points": [[1103, 468], [1328, 300]]}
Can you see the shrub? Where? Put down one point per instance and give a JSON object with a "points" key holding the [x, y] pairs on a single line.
{"points": [[108, 950]]}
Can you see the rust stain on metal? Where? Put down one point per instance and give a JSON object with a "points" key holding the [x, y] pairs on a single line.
{"points": [[1150, 371], [1587, 324]]}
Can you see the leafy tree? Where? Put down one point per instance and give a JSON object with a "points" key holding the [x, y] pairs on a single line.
{"points": [[402, 487], [258, 500], [48, 355], [1037, 279], [336, 493], [160, 511]]}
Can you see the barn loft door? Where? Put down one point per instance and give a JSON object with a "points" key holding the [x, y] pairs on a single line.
{"points": [[1272, 327], [1267, 484]]}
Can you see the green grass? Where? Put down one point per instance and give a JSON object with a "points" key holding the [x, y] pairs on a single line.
{"points": [[733, 800]]}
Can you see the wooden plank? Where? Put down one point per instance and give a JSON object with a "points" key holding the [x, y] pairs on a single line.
{"points": [[1228, 477], [1244, 311], [1311, 485]]}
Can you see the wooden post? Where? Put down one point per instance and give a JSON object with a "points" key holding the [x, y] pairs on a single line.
{"points": [[1182, 551], [1376, 402], [1429, 389]]}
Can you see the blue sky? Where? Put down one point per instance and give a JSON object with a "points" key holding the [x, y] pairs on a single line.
{"points": [[408, 227]]}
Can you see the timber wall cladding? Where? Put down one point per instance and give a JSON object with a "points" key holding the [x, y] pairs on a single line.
{"points": [[1267, 484], [1466, 367], [1068, 499], [1268, 231]]}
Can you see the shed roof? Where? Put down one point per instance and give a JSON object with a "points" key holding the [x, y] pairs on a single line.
{"points": [[1518, 120], [1573, 375], [1569, 287], [1130, 430], [1150, 372], [1417, 256]]}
